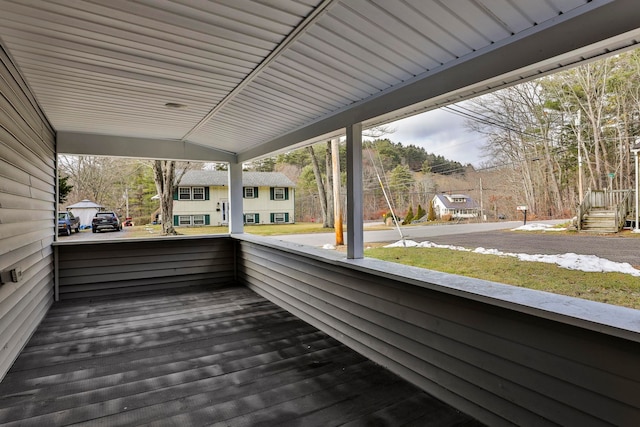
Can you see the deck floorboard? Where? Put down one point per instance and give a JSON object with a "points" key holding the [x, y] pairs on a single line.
{"points": [[196, 356]]}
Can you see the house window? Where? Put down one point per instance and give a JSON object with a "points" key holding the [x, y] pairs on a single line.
{"points": [[251, 218], [198, 193], [249, 193], [195, 193], [184, 193], [278, 193], [189, 220], [279, 217]]}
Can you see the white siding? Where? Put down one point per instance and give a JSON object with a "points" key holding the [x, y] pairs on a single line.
{"points": [[27, 208], [262, 205]]}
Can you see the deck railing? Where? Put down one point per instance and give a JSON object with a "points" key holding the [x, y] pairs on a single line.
{"points": [[624, 205], [584, 207], [618, 200]]}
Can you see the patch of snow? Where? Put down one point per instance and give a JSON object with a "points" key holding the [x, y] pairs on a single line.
{"points": [[536, 226], [403, 244], [570, 261], [328, 246]]}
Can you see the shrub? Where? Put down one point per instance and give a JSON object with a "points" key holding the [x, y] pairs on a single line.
{"points": [[409, 217]]}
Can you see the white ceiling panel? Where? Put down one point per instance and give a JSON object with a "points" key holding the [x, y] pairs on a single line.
{"points": [[257, 76]]}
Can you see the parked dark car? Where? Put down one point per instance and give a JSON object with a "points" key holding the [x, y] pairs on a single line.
{"points": [[105, 221]]}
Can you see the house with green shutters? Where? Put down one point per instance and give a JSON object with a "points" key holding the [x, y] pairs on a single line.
{"points": [[202, 198]]}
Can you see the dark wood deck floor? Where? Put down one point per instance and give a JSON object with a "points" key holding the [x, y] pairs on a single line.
{"points": [[201, 357]]}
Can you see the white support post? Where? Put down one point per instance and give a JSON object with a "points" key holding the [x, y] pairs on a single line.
{"points": [[355, 233], [236, 221], [636, 229]]}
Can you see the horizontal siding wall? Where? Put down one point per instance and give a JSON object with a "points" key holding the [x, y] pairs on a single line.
{"points": [[104, 268], [501, 365], [27, 212]]}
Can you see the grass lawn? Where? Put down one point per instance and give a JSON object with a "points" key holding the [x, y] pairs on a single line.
{"points": [[612, 288]]}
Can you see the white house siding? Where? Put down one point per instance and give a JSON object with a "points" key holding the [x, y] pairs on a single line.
{"points": [[215, 207], [27, 213], [265, 207]]}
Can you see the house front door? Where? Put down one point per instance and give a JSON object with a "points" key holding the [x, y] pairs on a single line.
{"points": [[224, 210]]}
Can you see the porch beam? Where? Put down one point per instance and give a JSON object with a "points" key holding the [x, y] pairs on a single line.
{"points": [[355, 233], [91, 144], [236, 222]]}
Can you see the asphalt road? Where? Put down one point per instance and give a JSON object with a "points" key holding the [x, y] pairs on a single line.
{"points": [[498, 235]]}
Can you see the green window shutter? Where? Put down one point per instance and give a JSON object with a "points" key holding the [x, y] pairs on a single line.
{"points": [[176, 220], [286, 217], [244, 193], [286, 193], [255, 192], [206, 193], [244, 218], [257, 218], [273, 218], [207, 219], [272, 195], [175, 194]]}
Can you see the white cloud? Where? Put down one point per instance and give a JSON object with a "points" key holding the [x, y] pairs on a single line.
{"points": [[439, 132]]}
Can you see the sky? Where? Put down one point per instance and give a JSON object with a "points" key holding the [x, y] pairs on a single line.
{"points": [[440, 132]]}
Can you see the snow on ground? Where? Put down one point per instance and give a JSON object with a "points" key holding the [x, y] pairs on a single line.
{"points": [[570, 261], [536, 226]]}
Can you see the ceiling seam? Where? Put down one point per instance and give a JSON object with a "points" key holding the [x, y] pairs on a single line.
{"points": [[292, 37]]}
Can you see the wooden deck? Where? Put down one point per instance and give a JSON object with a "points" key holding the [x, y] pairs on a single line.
{"points": [[201, 357]]}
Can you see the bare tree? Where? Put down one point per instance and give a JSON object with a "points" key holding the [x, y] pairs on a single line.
{"points": [[164, 172]]}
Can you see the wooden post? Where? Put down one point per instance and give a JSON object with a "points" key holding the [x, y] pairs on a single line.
{"points": [[337, 200]]}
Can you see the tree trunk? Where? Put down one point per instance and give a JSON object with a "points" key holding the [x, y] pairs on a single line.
{"points": [[164, 173], [322, 194], [328, 186]]}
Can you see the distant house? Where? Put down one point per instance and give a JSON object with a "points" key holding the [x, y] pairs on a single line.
{"points": [[202, 198], [457, 205]]}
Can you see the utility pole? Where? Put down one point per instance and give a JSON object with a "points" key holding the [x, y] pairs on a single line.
{"points": [[481, 205], [337, 200], [579, 156]]}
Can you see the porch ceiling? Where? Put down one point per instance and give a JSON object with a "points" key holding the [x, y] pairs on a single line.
{"points": [[256, 77]]}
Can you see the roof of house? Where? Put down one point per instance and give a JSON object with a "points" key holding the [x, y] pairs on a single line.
{"points": [[447, 201], [249, 179], [84, 204]]}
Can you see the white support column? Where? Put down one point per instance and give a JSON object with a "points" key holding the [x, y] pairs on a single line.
{"points": [[236, 221], [636, 228], [355, 233]]}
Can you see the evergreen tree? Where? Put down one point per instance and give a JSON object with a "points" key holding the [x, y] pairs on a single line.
{"points": [[420, 213], [432, 213], [409, 217], [63, 189]]}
